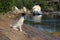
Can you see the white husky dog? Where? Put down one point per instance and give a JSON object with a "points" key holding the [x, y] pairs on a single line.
{"points": [[18, 25], [37, 14]]}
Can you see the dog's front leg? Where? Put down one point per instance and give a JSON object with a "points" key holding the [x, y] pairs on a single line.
{"points": [[20, 28]]}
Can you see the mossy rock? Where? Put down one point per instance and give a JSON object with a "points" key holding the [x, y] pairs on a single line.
{"points": [[56, 34]]}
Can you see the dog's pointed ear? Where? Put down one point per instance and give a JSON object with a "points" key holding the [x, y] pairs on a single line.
{"points": [[16, 8]]}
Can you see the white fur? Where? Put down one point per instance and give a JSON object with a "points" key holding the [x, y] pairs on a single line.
{"points": [[36, 8], [16, 10], [24, 9], [18, 25], [37, 18]]}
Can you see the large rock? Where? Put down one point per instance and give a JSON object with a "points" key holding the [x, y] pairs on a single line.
{"points": [[29, 33]]}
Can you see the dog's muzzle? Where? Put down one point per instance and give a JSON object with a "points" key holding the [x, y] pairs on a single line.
{"points": [[37, 13]]}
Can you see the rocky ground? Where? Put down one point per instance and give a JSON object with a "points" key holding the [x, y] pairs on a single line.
{"points": [[29, 32]]}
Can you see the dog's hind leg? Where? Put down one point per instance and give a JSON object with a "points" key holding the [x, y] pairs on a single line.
{"points": [[15, 27]]}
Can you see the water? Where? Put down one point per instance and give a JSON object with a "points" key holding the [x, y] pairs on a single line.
{"points": [[50, 25]]}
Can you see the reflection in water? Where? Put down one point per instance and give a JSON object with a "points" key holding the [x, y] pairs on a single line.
{"points": [[47, 28], [50, 25]]}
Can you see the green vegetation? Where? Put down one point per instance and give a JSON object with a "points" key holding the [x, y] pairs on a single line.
{"points": [[27, 3], [6, 5]]}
